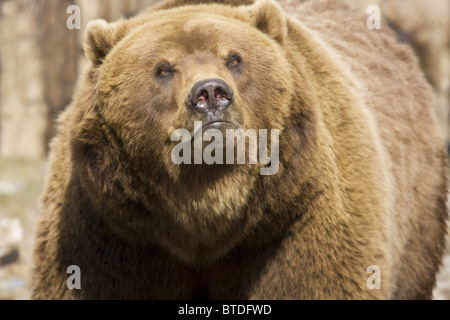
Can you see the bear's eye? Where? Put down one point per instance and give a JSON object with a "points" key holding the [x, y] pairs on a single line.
{"points": [[163, 70], [234, 62]]}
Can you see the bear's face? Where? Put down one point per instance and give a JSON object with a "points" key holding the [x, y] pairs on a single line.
{"points": [[182, 67], [214, 67]]}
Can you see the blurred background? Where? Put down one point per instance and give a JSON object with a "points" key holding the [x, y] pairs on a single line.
{"points": [[40, 62]]}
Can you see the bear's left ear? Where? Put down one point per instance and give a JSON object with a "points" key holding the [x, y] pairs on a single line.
{"points": [[269, 17], [100, 38]]}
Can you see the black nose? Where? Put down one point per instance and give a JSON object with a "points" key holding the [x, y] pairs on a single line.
{"points": [[210, 94]]}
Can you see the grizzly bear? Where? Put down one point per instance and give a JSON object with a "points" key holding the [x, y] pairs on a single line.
{"points": [[354, 209]]}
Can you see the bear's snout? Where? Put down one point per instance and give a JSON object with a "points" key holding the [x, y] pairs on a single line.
{"points": [[210, 95]]}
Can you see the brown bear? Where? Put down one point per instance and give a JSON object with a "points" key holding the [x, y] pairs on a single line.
{"points": [[354, 208]]}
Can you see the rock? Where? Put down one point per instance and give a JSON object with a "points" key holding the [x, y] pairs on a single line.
{"points": [[11, 235], [9, 188]]}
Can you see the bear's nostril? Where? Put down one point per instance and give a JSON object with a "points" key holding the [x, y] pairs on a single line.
{"points": [[219, 94], [203, 96]]}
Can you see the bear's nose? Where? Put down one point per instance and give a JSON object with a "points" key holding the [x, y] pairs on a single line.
{"points": [[210, 94]]}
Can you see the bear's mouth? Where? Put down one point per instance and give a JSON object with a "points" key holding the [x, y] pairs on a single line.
{"points": [[221, 125]]}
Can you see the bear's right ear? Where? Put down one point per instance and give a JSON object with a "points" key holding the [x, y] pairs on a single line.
{"points": [[269, 17], [100, 37]]}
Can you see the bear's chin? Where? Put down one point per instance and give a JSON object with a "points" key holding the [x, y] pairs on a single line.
{"points": [[209, 215]]}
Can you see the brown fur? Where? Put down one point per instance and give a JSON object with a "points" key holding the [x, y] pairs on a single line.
{"points": [[361, 179], [425, 25]]}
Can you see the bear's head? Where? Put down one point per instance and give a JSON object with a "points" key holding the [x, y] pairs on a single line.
{"points": [[155, 82]]}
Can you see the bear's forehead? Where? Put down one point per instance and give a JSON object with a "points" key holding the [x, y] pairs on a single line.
{"points": [[189, 32], [204, 24], [187, 22]]}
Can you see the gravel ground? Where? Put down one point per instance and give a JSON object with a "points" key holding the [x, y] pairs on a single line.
{"points": [[442, 291]]}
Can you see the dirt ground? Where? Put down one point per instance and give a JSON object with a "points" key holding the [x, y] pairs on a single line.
{"points": [[20, 185]]}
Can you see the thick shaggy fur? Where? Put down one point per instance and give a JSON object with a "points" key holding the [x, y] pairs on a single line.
{"points": [[361, 179], [426, 26]]}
